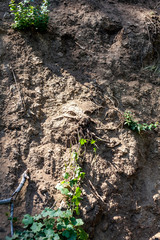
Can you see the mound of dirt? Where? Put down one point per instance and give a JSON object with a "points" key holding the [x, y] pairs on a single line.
{"points": [[96, 60]]}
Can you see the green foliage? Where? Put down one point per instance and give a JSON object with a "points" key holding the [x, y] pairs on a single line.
{"points": [[154, 68], [26, 15], [83, 141], [70, 187], [59, 224], [135, 125], [51, 224]]}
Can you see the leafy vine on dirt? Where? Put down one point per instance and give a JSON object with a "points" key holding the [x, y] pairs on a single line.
{"points": [[135, 125], [60, 224]]}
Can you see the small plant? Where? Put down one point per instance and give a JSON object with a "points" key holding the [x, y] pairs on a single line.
{"points": [[70, 186], [154, 68], [27, 16], [51, 224], [83, 141], [59, 224], [135, 125]]}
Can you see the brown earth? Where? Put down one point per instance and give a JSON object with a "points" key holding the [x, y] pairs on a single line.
{"points": [[96, 60]]}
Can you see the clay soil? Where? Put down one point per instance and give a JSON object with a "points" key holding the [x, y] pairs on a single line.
{"points": [[97, 59]]}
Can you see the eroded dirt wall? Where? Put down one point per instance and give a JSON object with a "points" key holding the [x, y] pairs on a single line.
{"points": [[96, 60]]}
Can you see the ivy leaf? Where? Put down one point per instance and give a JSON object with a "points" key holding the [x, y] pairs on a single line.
{"points": [[78, 192], [65, 191], [66, 233], [73, 235], [36, 227], [73, 221], [79, 222], [49, 233], [82, 141], [58, 213], [62, 189], [150, 126], [56, 237], [93, 141], [73, 182], [68, 213], [77, 210], [94, 149], [27, 220], [60, 226], [66, 175], [82, 234], [82, 174], [9, 238], [37, 217], [48, 212]]}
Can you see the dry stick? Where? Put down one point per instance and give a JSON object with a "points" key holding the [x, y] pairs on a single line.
{"points": [[18, 88], [12, 198], [80, 46], [98, 196]]}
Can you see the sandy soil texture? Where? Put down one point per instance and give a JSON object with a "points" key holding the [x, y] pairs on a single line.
{"points": [[97, 59]]}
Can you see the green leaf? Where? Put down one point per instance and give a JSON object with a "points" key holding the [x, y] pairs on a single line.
{"points": [[73, 235], [79, 222], [94, 149], [66, 175], [58, 213], [56, 237], [49, 233], [37, 217], [48, 212], [66, 233], [8, 238], [82, 141], [82, 234], [78, 192], [150, 127], [73, 182], [77, 210], [63, 189], [67, 213], [36, 227], [27, 220], [75, 156], [60, 226], [93, 141], [73, 220], [15, 236]]}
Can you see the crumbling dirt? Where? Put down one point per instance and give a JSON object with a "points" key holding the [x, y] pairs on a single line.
{"points": [[96, 60]]}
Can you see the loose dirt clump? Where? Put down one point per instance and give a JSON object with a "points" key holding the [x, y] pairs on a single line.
{"points": [[96, 60]]}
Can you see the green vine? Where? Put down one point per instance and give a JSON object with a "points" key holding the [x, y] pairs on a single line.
{"points": [[60, 224], [135, 125]]}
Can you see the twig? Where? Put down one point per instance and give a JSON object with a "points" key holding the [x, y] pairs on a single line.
{"points": [[98, 196], [80, 46], [18, 88]]}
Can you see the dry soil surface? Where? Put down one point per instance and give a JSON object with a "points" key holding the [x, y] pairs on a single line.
{"points": [[97, 59]]}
